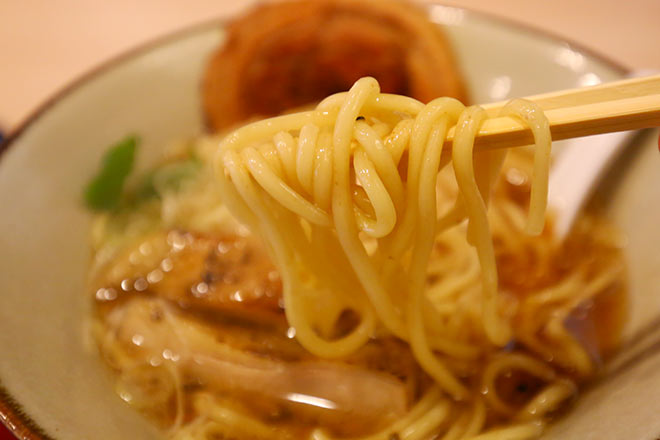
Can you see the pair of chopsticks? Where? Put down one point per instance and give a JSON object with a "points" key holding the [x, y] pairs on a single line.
{"points": [[630, 104]]}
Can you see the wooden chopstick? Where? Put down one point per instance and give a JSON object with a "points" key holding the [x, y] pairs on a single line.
{"points": [[630, 104]]}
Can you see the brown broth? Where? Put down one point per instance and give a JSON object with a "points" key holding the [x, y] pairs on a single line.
{"points": [[591, 246], [227, 286]]}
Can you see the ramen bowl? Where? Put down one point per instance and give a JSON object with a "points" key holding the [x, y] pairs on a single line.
{"points": [[52, 382]]}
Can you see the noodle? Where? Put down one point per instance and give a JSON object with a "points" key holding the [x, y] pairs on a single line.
{"points": [[400, 216], [419, 311], [423, 419]]}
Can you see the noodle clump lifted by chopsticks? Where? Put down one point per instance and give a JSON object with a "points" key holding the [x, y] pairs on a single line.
{"points": [[345, 197], [373, 307]]}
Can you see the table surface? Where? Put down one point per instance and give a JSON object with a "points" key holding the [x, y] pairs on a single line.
{"points": [[45, 45]]}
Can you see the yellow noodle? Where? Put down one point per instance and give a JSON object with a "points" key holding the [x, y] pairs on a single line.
{"points": [[538, 124], [548, 400], [424, 418], [518, 432], [497, 330], [350, 229], [401, 217], [506, 363]]}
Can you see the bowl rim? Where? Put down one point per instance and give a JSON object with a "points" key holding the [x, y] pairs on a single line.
{"points": [[12, 414]]}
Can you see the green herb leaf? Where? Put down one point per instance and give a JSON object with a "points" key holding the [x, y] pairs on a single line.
{"points": [[104, 192], [168, 177]]}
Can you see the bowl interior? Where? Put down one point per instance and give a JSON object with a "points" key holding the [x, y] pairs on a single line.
{"points": [[49, 366]]}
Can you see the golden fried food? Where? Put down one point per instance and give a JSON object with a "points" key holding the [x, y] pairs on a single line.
{"points": [[286, 55]]}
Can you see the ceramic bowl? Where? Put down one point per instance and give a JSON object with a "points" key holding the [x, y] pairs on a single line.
{"points": [[52, 383]]}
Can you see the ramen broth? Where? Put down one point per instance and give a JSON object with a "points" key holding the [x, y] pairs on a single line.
{"points": [[222, 289]]}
